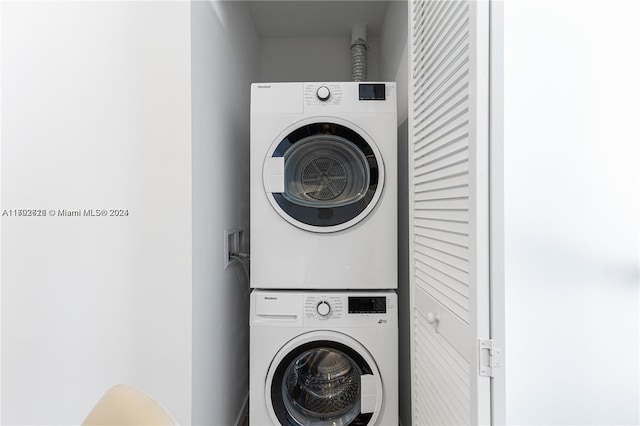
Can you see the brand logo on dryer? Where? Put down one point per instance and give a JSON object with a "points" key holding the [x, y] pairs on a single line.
{"points": [[270, 298]]}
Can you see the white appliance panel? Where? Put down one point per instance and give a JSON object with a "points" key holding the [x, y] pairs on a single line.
{"points": [[289, 253], [286, 324]]}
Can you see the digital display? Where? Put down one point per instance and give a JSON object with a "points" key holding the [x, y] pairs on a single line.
{"points": [[372, 92], [367, 305]]}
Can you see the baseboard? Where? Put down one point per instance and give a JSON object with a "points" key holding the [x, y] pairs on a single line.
{"points": [[243, 415]]}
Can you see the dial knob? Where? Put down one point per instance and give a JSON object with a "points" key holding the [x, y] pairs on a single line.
{"points": [[323, 308], [323, 93]]}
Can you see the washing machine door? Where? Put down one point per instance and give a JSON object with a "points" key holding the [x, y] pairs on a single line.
{"points": [[322, 379], [323, 175]]}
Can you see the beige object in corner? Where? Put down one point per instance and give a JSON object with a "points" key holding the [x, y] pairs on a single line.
{"points": [[124, 405]]}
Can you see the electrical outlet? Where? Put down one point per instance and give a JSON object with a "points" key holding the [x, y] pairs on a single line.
{"points": [[233, 243], [230, 238]]}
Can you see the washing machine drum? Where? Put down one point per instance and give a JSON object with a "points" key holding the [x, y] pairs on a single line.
{"points": [[320, 385], [324, 177]]}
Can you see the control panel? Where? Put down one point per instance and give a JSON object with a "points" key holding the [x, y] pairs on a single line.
{"points": [[315, 308], [323, 94], [323, 306], [348, 309]]}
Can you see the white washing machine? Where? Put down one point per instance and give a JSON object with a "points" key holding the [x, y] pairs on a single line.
{"points": [[323, 186], [323, 358]]}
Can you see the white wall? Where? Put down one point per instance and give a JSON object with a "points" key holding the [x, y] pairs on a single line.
{"points": [[224, 62], [95, 115], [571, 207], [313, 59]]}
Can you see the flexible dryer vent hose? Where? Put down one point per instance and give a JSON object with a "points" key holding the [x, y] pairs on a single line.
{"points": [[359, 52]]}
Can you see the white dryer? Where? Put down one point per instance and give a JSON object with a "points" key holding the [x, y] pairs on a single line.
{"points": [[323, 358], [323, 185]]}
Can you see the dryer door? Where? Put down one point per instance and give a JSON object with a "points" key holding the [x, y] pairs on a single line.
{"points": [[323, 175], [323, 379]]}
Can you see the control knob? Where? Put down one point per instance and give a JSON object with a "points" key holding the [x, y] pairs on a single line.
{"points": [[323, 308], [323, 93]]}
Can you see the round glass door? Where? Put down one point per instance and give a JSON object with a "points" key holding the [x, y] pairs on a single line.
{"points": [[325, 172], [319, 384], [333, 176]]}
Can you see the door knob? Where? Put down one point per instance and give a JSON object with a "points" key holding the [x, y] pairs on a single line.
{"points": [[433, 318]]}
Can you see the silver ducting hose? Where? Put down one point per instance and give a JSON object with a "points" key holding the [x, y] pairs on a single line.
{"points": [[359, 52], [359, 60]]}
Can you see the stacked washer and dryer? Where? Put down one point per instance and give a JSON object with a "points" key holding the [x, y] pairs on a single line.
{"points": [[324, 314]]}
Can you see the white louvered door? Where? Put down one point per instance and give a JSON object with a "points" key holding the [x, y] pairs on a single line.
{"points": [[449, 209]]}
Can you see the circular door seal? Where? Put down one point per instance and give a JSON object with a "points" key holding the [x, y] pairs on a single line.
{"points": [[315, 379], [333, 175]]}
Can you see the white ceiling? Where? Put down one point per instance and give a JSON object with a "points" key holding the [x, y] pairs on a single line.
{"points": [[313, 18]]}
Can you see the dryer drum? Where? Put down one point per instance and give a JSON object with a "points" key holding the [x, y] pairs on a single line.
{"points": [[324, 178], [322, 385], [325, 171]]}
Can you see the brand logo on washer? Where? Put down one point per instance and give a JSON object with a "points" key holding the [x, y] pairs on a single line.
{"points": [[382, 321], [270, 298], [264, 87]]}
